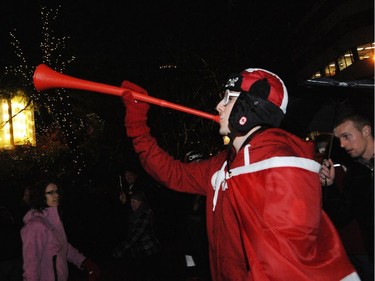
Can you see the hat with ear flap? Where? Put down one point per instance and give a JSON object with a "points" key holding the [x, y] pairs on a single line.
{"points": [[262, 101]]}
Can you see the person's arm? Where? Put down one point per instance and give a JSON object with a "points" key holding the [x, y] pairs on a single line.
{"points": [[193, 177], [120, 249], [74, 256], [34, 241], [141, 226], [78, 259]]}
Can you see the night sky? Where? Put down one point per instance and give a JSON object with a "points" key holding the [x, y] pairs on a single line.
{"points": [[113, 36], [117, 40]]}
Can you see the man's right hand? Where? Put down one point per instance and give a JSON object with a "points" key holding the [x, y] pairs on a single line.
{"points": [[327, 173], [122, 198]]}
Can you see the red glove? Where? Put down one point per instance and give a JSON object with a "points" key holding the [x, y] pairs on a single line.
{"points": [[92, 269], [136, 111]]}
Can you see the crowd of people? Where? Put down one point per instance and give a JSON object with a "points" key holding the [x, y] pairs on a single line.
{"points": [[266, 208]]}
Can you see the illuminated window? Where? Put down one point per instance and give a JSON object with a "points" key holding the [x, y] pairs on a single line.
{"points": [[17, 126], [317, 75], [330, 70], [364, 52], [345, 60]]}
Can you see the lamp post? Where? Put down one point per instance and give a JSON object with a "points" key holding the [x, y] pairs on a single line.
{"points": [[17, 124]]}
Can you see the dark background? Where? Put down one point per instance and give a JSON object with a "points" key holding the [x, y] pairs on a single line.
{"points": [[116, 40]]}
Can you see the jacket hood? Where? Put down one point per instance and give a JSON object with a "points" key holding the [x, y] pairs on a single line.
{"points": [[51, 214]]}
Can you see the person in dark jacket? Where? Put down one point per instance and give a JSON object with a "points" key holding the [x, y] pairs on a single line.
{"points": [[141, 247], [355, 203], [194, 233]]}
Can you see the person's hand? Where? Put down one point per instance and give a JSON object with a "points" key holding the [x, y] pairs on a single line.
{"points": [[92, 269], [122, 198], [136, 111], [327, 173]]}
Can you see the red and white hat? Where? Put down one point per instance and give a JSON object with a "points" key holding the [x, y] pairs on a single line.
{"points": [[263, 99]]}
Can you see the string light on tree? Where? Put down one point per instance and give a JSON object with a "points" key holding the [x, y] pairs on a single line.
{"points": [[54, 106]]}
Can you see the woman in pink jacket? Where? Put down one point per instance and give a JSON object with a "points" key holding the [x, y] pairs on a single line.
{"points": [[46, 250]]}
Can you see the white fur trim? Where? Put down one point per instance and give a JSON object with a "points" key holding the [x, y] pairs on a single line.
{"points": [[351, 277], [278, 162], [219, 179]]}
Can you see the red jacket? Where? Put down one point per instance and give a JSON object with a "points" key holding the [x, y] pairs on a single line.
{"points": [[268, 223]]}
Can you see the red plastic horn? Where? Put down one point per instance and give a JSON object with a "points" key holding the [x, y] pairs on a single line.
{"points": [[47, 78]]}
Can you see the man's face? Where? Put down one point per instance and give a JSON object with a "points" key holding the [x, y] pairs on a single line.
{"points": [[130, 177], [224, 111], [351, 139], [135, 204]]}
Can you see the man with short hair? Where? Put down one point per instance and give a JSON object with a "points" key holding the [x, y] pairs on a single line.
{"points": [[263, 208], [356, 201]]}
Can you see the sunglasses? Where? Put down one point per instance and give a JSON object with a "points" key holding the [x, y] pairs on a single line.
{"points": [[228, 95]]}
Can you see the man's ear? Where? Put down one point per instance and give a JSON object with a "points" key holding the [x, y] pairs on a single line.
{"points": [[366, 130]]}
